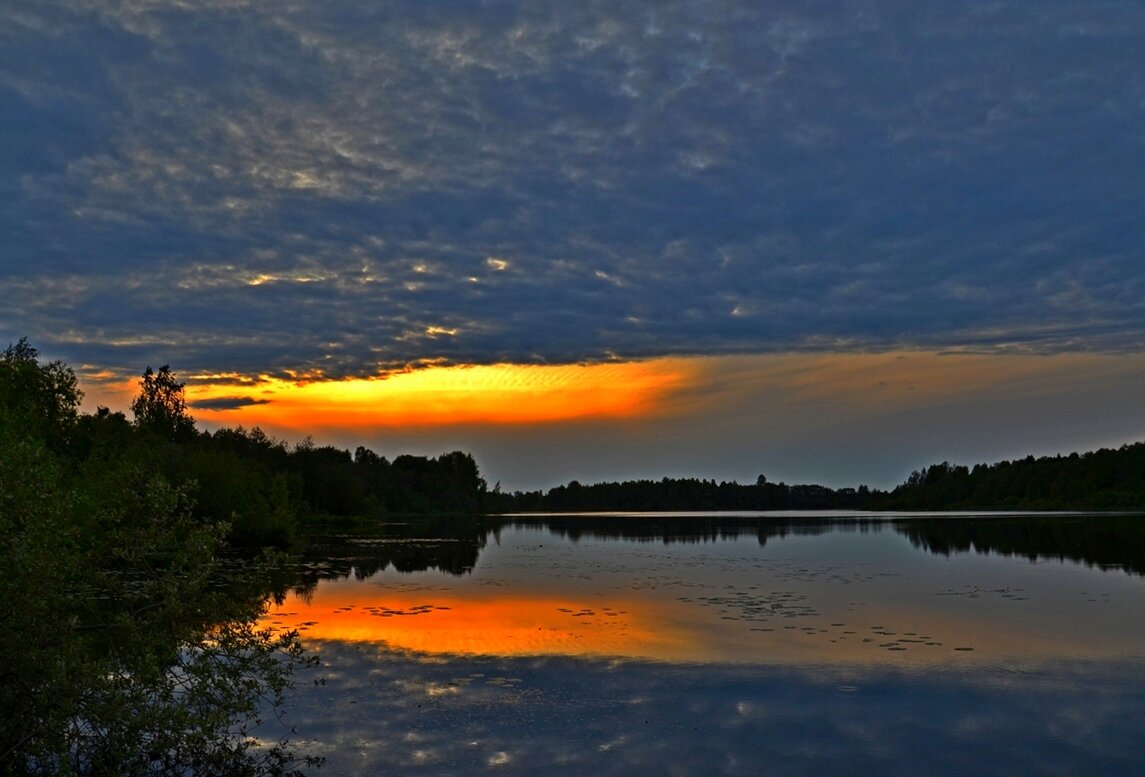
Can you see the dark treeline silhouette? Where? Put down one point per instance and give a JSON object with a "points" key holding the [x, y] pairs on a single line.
{"points": [[1100, 480], [1105, 479], [265, 490], [258, 486], [684, 494]]}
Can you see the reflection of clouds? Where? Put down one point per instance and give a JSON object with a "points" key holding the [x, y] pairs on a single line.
{"points": [[383, 711], [580, 180]]}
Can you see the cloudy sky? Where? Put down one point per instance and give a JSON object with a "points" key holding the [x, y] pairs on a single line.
{"points": [[824, 241]]}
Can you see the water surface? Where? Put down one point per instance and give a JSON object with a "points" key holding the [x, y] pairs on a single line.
{"points": [[714, 644]]}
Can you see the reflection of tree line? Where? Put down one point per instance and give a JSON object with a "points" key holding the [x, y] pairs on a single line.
{"points": [[453, 545], [686, 528], [427, 543], [1107, 541]]}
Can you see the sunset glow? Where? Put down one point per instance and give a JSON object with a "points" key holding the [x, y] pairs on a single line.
{"points": [[734, 417], [433, 396]]}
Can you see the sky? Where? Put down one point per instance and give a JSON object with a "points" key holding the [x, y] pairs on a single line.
{"points": [[826, 242]]}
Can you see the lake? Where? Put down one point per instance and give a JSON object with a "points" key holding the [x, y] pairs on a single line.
{"points": [[764, 643]]}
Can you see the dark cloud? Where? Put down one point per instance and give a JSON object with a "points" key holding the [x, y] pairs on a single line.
{"points": [[339, 185], [227, 403]]}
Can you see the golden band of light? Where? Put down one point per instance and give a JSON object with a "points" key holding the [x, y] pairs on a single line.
{"points": [[774, 390], [433, 396]]}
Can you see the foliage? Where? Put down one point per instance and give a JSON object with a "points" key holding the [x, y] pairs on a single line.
{"points": [[121, 655], [263, 490], [41, 399], [161, 405], [334, 484], [1105, 479]]}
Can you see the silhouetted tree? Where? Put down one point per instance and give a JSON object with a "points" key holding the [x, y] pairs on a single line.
{"points": [[43, 398], [161, 405]]}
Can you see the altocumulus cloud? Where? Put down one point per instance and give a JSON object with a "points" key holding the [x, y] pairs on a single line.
{"points": [[345, 187]]}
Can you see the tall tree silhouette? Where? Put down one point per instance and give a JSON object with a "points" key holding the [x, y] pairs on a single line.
{"points": [[161, 405]]}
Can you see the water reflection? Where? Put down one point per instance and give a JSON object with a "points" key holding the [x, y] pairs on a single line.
{"points": [[453, 545], [467, 622], [384, 712], [700, 645], [1105, 541], [427, 544], [822, 589]]}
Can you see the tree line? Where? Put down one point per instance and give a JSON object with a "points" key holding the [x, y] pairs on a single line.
{"points": [[262, 489], [1106, 479], [682, 494]]}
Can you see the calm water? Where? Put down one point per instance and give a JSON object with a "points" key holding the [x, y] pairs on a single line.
{"points": [[726, 645]]}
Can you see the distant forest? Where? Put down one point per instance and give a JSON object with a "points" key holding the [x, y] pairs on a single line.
{"points": [[1100, 480]]}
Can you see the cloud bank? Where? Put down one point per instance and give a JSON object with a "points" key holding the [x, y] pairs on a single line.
{"points": [[341, 188]]}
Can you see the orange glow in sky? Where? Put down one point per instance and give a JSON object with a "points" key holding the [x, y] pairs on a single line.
{"points": [[491, 394], [527, 394], [750, 411]]}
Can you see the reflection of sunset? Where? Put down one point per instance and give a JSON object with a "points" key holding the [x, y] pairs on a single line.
{"points": [[493, 394], [666, 627], [517, 624]]}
